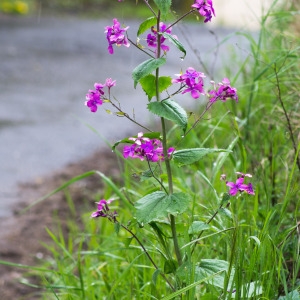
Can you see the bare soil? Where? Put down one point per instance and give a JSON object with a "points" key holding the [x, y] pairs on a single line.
{"points": [[22, 235]]}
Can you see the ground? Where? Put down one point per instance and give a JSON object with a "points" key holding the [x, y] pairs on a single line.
{"points": [[20, 242]]}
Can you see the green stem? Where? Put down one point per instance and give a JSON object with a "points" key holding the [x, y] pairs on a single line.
{"points": [[167, 160], [212, 217], [148, 255]]}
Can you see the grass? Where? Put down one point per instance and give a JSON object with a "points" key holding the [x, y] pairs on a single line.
{"points": [[254, 240]]}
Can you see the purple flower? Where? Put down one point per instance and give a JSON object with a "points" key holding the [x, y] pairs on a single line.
{"points": [[205, 9], [152, 38], [104, 211], [236, 186], [116, 35], [223, 92], [95, 98], [240, 186], [145, 148], [249, 189], [193, 81]]}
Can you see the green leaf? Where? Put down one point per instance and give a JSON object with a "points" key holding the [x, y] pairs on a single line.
{"points": [[225, 199], [210, 267], [197, 227], [163, 5], [150, 135], [173, 40], [148, 84], [155, 275], [294, 295], [170, 110], [147, 24], [189, 156], [158, 205], [164, 82], [146, 68], [170, 266]]}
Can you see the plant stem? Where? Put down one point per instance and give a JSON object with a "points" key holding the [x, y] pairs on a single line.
{"points": [[164, 142], [289, 125], [128, 117], [153, 175], [148, 255], [212, 217]]}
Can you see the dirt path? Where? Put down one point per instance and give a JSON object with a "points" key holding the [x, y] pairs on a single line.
{"points": [[20, 242]]}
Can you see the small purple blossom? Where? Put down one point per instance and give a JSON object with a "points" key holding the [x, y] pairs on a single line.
{"points": [[240, 186], [205, 9], [223, 92], [104, 211], [193, 81], [152, 38], [145, 148], [116, 35], [95, 98]]}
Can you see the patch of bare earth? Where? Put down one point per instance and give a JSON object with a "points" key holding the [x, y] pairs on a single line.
{"points": [[21, 235]]}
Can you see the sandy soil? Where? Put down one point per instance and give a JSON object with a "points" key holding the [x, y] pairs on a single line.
{"points": [[20, 242]]}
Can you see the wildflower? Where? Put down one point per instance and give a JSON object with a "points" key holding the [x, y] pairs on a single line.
{"points": [[145, 148], [152, 38], [110, 83], [249, 189], [102, 208], [116, 35], [240, 186], [104, 211], [193, 80], [224, 92], [205, 9], [95, 98]]}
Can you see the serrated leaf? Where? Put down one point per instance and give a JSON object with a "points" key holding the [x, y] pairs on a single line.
{"points": [[189, 156], [150, 135], [146, 68], [197, 227], [148, 84], [164, 82], [170, 110], [212, 266], [174, 41], [163, 5], [144, 26], [158, 205]]}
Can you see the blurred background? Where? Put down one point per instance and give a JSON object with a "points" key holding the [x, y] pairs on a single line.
{"points": [[53, 51]]}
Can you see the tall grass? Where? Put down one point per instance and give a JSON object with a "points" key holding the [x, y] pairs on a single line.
{"points": [[258, 236]]}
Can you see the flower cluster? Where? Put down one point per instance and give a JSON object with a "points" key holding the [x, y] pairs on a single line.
{"points": [[145, 148], [95, 98], [240, 186], [223, 92], [152, 38], [193, 80], [205, 9], [104, 211], [116, 35]]}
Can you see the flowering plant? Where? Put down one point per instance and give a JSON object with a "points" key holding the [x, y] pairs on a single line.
{"points": [[164, 208]]}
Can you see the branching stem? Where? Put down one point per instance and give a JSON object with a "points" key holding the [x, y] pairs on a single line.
{"points": [[148, 255]]}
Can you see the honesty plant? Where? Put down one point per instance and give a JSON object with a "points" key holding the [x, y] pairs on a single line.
{"points": [[167, 202]]}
